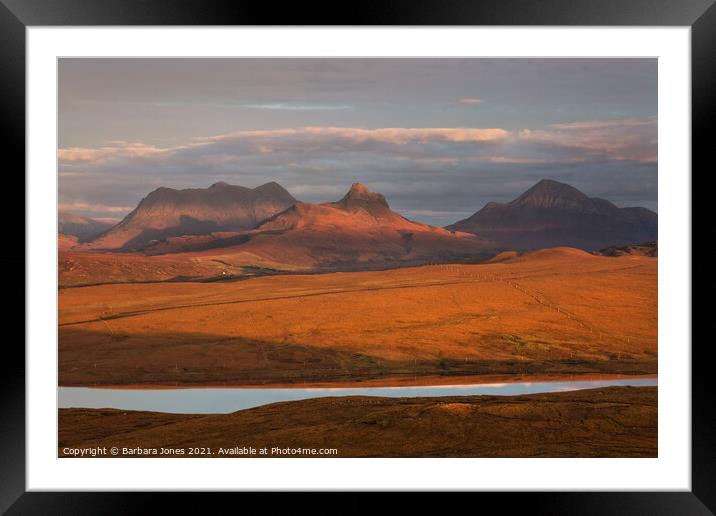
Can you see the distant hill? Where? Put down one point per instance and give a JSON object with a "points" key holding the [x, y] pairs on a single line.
{"points": [[647, 249], [357, 232], [552, 214], [66, 242], [167, 212], [84, 228]]}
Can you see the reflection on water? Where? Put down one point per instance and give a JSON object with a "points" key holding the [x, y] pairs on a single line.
{"points": [[221, 401]]}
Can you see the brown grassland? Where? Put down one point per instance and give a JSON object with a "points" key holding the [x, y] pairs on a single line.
{"points": [[609, 422], [548, 312]]}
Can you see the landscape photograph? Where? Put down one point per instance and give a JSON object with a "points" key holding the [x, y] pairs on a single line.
{"points": [[357, 257]]}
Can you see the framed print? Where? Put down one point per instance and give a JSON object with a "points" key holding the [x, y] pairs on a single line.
{"points": [[424, 249]]}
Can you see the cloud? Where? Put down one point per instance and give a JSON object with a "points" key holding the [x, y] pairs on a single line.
{"points": [[391, 135], [434, 174], [620, 139], [591, 125], [303, 140], [472, 101], [117, 148], [623, 139], [522, 161], [95, 208], [296, 107]]}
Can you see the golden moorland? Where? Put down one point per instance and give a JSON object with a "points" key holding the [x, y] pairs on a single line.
{"points": [[551, 311]]}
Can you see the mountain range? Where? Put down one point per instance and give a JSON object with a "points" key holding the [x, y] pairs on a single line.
{"points": [[552, 214], [84, 228], [267, 228], [357, 232], [167, 212]]}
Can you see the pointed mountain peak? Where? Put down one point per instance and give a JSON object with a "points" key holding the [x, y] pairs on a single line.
{"points": [[549, 186], [548, 193], [358, 188], [359, 193], [549, 183]]}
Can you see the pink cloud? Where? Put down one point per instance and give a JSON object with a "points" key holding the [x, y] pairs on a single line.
{"points": [[89, 207], [394, 135], [269, 141], [117, 148], [618, 139]]}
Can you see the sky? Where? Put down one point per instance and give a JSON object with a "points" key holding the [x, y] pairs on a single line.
{"points": [[438, 137]]}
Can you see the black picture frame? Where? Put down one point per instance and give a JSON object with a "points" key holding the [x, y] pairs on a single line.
{"points": [[17, 15]]}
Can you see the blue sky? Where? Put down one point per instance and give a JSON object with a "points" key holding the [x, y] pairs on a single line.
{"points": [[438, 137]]}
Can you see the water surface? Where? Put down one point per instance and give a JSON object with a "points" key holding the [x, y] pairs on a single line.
{"points": [[225, 400]]}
